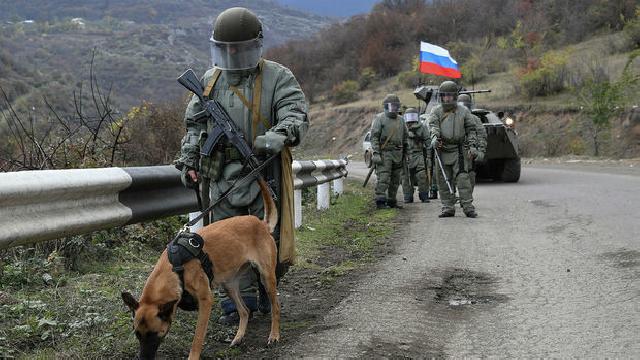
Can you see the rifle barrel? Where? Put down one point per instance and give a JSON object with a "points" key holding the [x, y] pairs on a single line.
{"points": [[474, 91]]}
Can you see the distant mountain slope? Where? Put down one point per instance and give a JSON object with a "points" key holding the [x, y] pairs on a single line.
{"points": [[282, 23], [141, 46], [337, 8]]}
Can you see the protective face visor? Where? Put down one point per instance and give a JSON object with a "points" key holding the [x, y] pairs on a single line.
{"points": [[240, 55], [411, 117], [392, 107]]}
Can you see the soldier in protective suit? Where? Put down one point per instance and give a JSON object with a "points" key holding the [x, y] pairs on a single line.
{"points": [[265, 101], [389, 143], [417, 138], [433, 186], [451, 125], [481, 133]]}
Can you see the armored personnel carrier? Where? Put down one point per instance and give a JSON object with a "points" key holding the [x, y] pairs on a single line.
{"points": [[502, 159]]}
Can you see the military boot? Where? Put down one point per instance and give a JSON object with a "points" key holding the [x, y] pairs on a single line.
{"points": [[230, 314], [408, 199], [433, 193], [447, 213], [424, 197], [381, 204], [264, 304], [471, 213], [393, 204]]}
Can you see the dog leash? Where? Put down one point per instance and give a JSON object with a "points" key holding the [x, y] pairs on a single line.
{"points": [[234, 186]]}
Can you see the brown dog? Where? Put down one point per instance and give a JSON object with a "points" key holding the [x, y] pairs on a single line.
{"points": [[233, 245]]}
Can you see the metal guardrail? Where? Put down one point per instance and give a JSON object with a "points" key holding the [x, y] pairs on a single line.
{"points": [[50, 204], [308, 173]]}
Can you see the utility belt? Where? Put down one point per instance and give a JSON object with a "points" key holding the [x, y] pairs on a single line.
{"points": [[451, 141], [391, 147]]}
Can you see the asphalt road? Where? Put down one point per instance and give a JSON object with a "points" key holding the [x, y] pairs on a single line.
{"points": [[550, 268]]}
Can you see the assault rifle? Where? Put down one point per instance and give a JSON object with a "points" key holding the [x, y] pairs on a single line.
{"points": [[224, 125]]}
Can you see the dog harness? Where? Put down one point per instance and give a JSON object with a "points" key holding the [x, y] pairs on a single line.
{"points": [[184, 247]]}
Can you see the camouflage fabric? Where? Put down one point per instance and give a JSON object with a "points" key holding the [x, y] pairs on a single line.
{"points": [[433, 186], [417, 138], [454, 128], [282, 102], [280, 108], [481, 146], [389, 140]]}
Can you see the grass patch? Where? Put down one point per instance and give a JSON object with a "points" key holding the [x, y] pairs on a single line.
{"points": [[78, 313], [344, 236]]}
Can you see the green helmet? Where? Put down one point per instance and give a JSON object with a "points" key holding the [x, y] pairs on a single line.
{"points": [[465, 99], [411, 115], [448, 89], [391, 105], [236, 42], [391, 98]]}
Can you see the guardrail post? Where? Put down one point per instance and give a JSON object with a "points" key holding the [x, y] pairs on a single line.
{"points": [[338, 186], [297, 206], [323, 196]]}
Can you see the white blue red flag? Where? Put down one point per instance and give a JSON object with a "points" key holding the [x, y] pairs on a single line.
{"points": [[437, 61]]}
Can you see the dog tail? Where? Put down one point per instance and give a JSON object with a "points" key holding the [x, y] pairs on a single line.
{"points": [[270, 210]]}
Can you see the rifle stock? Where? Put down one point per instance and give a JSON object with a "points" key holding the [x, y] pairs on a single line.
{"points": [[189, 80]]}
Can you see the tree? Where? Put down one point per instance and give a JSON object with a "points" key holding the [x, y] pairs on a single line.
{"points": [[601, 99]]}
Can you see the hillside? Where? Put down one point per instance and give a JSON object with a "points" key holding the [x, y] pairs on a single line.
{"points": [[562, 79], [547, 125], [335, 8], [140, 47]]}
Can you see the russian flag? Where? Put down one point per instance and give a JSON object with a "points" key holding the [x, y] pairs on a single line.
{"points": [[437, 61]]}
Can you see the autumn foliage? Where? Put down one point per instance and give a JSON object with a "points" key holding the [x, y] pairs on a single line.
{"points": [[387, 39]]}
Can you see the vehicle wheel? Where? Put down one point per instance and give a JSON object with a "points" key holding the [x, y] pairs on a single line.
{"points": [[511, 170], [367, 158]]}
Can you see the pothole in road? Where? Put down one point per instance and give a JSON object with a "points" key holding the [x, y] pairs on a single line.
{"points": [[463, 287], [623, 258], [542, 203]]}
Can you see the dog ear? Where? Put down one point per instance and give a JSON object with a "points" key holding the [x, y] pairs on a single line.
{"points": [[130, 301], [165, 310]]}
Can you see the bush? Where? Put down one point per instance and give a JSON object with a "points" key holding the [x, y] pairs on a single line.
{"points": [[367, 76], [412, 78], [545, 77], [632, 29], [577, 146], [409, 79], [344, 92], [474, 69]]}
